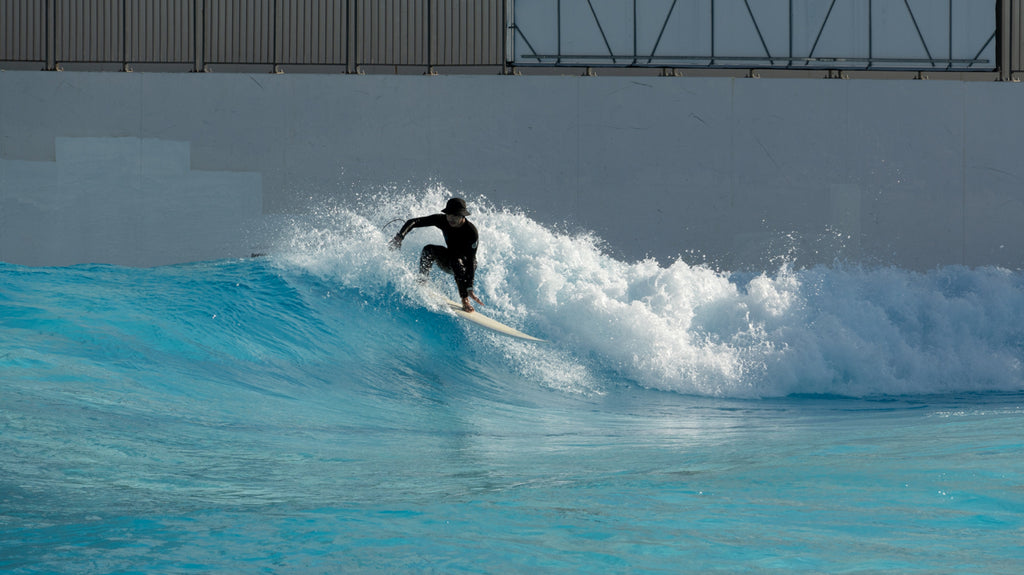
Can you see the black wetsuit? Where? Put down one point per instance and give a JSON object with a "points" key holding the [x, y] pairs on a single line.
{"points": [[458, 259]]}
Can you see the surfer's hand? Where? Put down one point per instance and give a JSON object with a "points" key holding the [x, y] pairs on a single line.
{"points": [[396, 242]]}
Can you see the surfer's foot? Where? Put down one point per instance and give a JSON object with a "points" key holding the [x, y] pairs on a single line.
{"points": [[465, 301]]}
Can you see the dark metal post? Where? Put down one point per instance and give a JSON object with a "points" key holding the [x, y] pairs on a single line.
{"points": [[51, 35], [790, 63], [124, 37], [712, 63], [558, 19], [1016, 37], [199, 34], [950, 63], [507, 21], [1008, 37], [275, 18], [871, 38], [634, 33], [350, 37]]}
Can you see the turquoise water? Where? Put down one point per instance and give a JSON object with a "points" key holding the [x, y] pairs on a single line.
{"points": [[311, 412]]}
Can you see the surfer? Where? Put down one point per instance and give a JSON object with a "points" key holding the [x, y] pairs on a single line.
{"points": [[459, 257]]}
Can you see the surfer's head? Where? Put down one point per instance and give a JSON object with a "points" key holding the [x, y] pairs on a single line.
{"points": [[456, 212], [456, 207]]}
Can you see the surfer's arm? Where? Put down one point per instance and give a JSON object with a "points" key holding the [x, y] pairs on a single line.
{"points": [[396, 242]]}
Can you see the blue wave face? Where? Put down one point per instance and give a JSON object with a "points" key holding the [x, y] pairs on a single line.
{"points": [[332, 294]]}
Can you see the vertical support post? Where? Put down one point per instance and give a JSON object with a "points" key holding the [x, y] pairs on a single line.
{"points": [[871, 37], [634, 34], [51, 35], [508, 29], [949, 64], [199, 35], [712, 63], [1008, 36], [790, 63], [558, 19], [125, 65], [350, 37], [1016, 38]]}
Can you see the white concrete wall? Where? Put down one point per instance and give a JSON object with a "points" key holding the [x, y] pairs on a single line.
{"points": [[122, 200], [738, 171]]}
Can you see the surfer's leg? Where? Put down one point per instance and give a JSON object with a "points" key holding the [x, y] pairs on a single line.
{"points": [[431, 254], [462, 277]]}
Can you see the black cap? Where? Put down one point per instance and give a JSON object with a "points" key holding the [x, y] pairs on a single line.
{"points": [[456, 207]]}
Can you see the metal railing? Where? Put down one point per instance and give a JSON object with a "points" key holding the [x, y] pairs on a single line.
{"points": [[951, 35]]}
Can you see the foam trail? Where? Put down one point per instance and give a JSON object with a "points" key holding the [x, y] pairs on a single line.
{"points": [[690, 329]]}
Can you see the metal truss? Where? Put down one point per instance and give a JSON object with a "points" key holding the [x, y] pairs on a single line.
{"points": [[763, 34]]}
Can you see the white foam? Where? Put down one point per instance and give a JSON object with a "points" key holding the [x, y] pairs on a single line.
{"points": [[690, 329]]}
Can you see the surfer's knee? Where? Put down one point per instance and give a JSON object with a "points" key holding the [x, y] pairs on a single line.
{"points": [[428, 256]]}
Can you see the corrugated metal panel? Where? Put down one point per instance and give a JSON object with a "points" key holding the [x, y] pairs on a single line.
{"points": [[430, 32], [468, 32], [239, 31], [1017, 36], [392, 32], [312, 31], [388, 32], [22, 30], [160, 31], [89, 30]]}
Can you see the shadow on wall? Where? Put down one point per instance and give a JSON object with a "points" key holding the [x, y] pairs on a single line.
{"points": [[125, 201]]}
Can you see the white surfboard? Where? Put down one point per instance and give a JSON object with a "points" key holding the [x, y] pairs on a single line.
{"points": [[490, 323]]}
